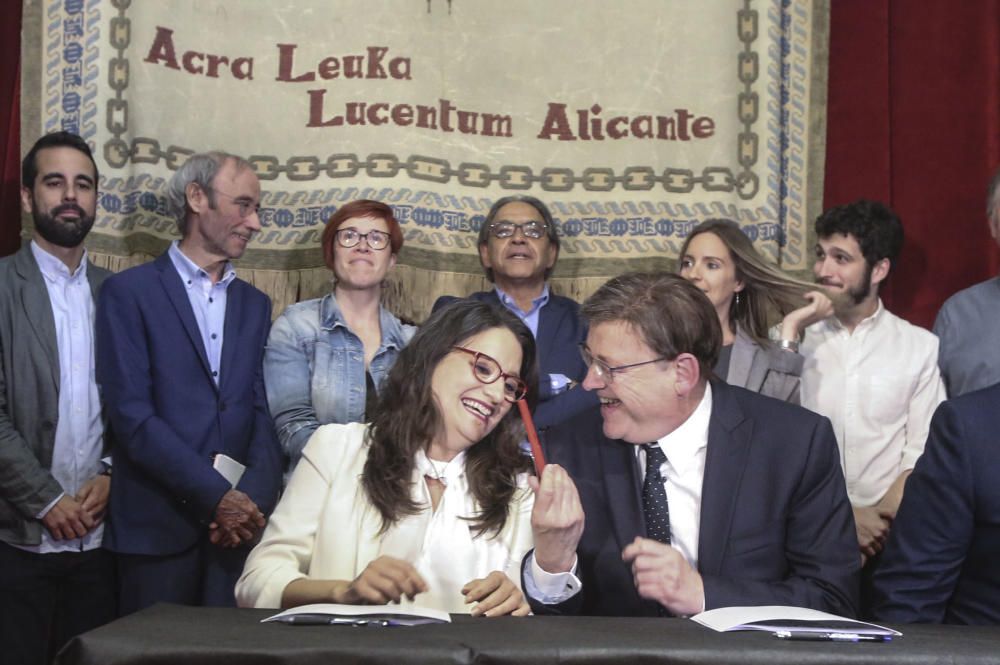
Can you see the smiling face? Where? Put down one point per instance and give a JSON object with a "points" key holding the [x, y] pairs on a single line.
{"points": [[470, 409], [518, 260], [640, 405], [709, 265], [361, 267], [63, 198], [216, 232], [841, 269]]}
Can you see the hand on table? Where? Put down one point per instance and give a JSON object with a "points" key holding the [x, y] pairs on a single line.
{"points": [[495, 595], [384, 580]]}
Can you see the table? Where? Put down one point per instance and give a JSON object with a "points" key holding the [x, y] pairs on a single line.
{"points": [[215, 636]]}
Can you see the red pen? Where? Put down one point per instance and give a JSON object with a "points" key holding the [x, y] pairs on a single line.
{"points": [[529, 428]]}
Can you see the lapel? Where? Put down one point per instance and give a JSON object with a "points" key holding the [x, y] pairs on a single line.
{"points": [[231, 329], [549, 319], [729, 434], [37, 307], [741, 360], [622, 488], [178, 297]]}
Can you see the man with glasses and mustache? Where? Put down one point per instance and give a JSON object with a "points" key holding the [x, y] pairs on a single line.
{"points": [[518, 249], [697, 494], [179, 348], [874, 375], [55, 580]]}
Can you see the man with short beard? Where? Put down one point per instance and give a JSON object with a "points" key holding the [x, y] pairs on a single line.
{"points": [[872, 373], [55, 580]]}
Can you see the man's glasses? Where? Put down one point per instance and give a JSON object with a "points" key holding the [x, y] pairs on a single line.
{"points": [[246, 206], [350, 237], [487, 370], [533, 230], [605, 372]]}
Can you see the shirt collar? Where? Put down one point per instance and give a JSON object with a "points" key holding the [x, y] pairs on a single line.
{"points": [[190, 272], [52, 267], [834, 323], [536, 303], [683, 444]]}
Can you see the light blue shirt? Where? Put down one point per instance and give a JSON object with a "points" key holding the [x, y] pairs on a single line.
{"points": [[557, 382], [76, 457], [530, 317], [208, 300]]}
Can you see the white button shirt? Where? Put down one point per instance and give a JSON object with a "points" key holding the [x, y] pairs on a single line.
{"points": [[879, 387]]}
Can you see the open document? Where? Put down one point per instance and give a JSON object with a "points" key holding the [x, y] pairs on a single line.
{"points": [[360, 615], [788, 620]]}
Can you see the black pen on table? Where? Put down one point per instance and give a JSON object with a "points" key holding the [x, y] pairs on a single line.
{"points": [[809, 636]]}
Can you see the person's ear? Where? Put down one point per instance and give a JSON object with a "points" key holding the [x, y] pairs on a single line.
{"points": [[688, 374]]}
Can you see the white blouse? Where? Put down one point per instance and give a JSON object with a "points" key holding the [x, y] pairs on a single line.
{"points": [[325, 528]]}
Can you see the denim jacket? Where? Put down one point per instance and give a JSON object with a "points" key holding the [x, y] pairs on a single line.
{"points": [[314, 369]]}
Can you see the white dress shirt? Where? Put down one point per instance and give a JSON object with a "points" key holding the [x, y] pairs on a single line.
{"points": [[879, 387], [76, 457]]}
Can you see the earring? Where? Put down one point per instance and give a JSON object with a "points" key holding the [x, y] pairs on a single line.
{"points": [[737, 298]]}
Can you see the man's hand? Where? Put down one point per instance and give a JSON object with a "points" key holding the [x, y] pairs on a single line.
{"points": [[795, 322], [68, 519], [660, 573], [872, 525], [93, 497], [237, 520], [556, 519], [384, 580], [495, 595]]}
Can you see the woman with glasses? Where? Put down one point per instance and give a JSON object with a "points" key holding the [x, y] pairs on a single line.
{"points": [[748, 295], [428, 502], [326, 358]]}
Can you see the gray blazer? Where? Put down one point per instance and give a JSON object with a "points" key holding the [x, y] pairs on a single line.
{"points": [[29, 395], [772, 371]]}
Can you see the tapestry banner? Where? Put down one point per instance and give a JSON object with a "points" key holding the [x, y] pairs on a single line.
{"points": [[633, 121]]}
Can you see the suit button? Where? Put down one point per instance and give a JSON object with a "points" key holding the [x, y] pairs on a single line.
{"points": [[222, 406]]}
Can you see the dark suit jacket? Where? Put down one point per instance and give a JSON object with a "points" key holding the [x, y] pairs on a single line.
{"points": [[29, 395], [776, 525], [560, 331], [167, 416], [942, 561]]}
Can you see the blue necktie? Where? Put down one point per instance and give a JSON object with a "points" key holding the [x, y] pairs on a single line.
{"points": [[654, 496]]}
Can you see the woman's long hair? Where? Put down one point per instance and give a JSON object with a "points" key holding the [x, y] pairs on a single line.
{"points": [[768, 294], [406, 419]]}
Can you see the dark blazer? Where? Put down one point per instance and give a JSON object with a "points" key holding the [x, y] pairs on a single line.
{"points": [[942, 561], [168, 418], [29, 395], [776, 525], [560, 331]]}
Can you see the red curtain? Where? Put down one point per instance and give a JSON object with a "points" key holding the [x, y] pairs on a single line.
{"points": [[10, 128], [913, 120]]}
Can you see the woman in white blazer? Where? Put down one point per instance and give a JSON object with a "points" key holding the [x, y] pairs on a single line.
{"points": [[430, 502], [749, 295]]}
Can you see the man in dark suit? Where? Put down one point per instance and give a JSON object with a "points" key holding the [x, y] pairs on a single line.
{"points": [[940, 563], [518, 248], [55, 580], [697, 494], [180, 344]]}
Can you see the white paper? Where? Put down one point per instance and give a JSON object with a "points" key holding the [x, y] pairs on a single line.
{"points": [[783, 617], [230, 469], [360, 612]]}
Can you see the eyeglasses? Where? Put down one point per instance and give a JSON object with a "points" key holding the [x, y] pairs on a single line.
{"points": [[604, 371], [533, 230], [350, 237], [245, 205], [487, 370]]}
